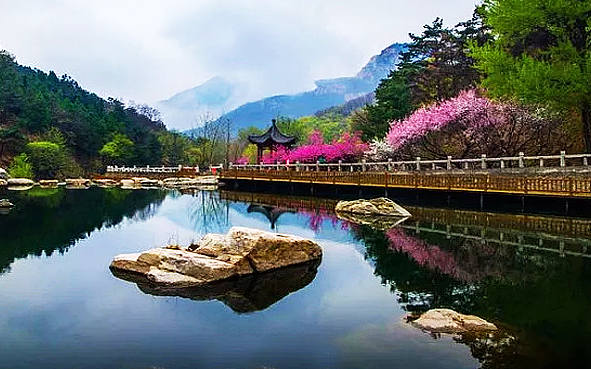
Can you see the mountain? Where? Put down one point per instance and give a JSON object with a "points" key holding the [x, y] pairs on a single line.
{"points": [[328, 93], [344, 93], [204, 102]]}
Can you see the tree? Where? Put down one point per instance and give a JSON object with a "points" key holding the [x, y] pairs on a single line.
{"points": [[540, 53], [434, 67], [51, 160], [118, 151], [470, 125]]}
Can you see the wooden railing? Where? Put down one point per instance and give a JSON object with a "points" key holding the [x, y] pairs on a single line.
{"points": [[484, 163]]}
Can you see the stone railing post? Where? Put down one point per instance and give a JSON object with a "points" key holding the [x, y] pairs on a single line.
{"points": [[562, 158], [340, 163], [389, 165], [418, 163], [521, 162], [363, 165], [317, 165], [449, 162], [483, 161]]}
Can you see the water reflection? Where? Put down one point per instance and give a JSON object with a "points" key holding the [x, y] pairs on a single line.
{"points": [[530, 274], [44, 221], [246, 294]]}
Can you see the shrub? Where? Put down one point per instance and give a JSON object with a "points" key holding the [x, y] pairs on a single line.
{"points": [[21, 167]]}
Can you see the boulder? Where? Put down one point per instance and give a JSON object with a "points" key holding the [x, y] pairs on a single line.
{"points": [[449, 321], [78, 182], [5, 203], [380, 222], [4, 174], [127, 183], [379, 206], [17, 182], [253, 292], [3, 182], [105, 182], [216, 257], [48, 183]]}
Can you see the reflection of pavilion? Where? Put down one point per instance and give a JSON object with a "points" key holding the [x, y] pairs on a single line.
{"points": [[271, 139], [272, 213]]}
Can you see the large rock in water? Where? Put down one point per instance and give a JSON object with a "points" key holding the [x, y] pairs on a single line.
{"points": [[380, 213], [379, 206], [449, 321], [246, 294], [217, 257]]}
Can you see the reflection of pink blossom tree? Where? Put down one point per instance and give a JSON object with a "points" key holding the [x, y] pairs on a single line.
{"points": [[426, 255]]}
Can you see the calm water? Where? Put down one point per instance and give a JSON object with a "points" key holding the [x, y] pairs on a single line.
{"points": [[61, 307]]}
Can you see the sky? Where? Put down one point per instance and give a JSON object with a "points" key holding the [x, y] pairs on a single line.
{"points": [[148, 50]]}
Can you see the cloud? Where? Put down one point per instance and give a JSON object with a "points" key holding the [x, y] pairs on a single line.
{"points": [[147, 51]]}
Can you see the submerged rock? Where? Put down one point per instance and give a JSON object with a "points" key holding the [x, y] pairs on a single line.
{"points": [[379, 206], [380, 222], [218, 257], [450, 321]]}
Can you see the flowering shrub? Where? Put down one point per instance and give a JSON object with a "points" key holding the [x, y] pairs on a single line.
{"points": [[379, 150], [348, 147], [242, 160], [466, 106]]}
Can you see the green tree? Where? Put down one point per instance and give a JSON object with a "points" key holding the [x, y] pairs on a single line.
{"points": [[118, 151], [540, 53], [51, 160]]}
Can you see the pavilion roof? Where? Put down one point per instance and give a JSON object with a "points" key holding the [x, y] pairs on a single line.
{"points": [[272, 137]]}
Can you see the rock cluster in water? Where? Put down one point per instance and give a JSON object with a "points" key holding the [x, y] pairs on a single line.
{"points": [[242, 251], [450, 321], [202, 182]]}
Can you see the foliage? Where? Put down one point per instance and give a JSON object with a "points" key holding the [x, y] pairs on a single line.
{"points": [[347, 148], [540, 53], [21, 167], [469, 125], [434, 67], [40, 106], [118, 151], [51, 160]]}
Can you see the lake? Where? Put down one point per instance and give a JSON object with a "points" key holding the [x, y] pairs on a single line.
{"points": [[61, 306]]}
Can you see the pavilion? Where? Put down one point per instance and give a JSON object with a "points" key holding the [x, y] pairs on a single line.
{"points": [[271, 139]]}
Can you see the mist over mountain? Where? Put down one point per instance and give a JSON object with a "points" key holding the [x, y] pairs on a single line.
{"points": [[328, 93], [190, 108]]}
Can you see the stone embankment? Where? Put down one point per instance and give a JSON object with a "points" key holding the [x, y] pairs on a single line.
{"points": [[216, 257]]}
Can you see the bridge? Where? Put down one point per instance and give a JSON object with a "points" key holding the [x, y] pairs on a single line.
{"points": [[564, 176]]}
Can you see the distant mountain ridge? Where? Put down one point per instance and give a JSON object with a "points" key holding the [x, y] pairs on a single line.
{"points": [[328, 93]]}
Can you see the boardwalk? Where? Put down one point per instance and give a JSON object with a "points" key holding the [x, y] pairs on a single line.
{"points": [[538, 185]]}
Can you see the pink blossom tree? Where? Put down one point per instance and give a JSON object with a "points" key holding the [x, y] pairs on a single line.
{"points": [[469, 125], [348, 147]]}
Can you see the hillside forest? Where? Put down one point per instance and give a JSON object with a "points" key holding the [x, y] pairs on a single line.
{"points": [[513, 78]]}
